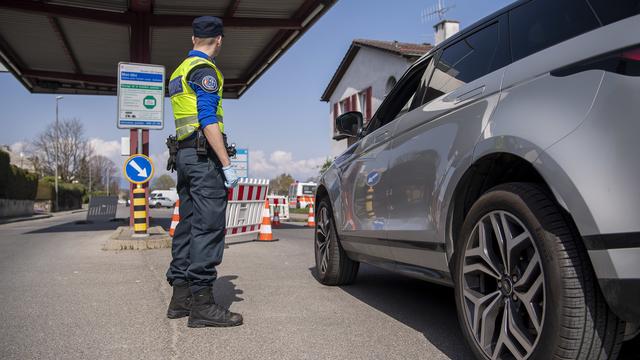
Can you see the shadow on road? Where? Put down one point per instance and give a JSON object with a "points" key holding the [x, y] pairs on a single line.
{"points": [[225, 291], [425, 307], [75, 226], [287, 226]]}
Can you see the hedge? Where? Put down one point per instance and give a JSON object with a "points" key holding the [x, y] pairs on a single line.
{"points": [[69, 195], [16, 183]]}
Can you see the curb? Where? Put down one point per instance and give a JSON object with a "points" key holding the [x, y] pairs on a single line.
{"points": [[21, 219]]}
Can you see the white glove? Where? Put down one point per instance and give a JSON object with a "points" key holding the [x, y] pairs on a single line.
{"points": [[230, 176]]}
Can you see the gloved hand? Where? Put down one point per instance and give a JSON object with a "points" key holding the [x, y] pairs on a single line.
{"points": [[230, 176]]}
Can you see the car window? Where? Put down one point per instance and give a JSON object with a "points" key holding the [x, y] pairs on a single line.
{"points": [[400, 100], [466, 60], [609, 11], [539, 24]]}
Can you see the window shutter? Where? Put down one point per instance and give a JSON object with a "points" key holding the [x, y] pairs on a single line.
{"points": [[354, 102], [336, 108], [347, 104], [369, 112]]}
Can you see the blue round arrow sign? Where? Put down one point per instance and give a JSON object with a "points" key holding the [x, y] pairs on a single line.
{"points": [[138, 169]]}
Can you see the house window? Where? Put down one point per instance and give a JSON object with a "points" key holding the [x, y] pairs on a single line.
{"points": [[391, 82], [362, 100]]}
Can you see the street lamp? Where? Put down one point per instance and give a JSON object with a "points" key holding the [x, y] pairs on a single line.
{"points": [[58, 98]]}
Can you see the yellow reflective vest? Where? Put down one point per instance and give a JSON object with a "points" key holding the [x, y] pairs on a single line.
{"points": [[183, 98]]}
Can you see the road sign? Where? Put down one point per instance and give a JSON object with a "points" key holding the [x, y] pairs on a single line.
{"points": [[140, 96], [241, 162], [138, 169]]}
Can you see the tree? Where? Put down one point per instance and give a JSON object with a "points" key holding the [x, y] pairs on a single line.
{"points": [[280, 185], [325, 166], [163, 182], [72, 149]]}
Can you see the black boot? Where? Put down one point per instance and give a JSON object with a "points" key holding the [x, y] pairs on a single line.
{"points": [[205, 312], [180, 304]]}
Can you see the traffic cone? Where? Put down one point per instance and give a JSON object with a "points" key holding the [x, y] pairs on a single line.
{"points": [[276, 216], [175, 218], [265, 229], [312, 217]]}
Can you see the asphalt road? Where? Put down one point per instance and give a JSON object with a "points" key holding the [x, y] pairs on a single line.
{"points": [[64, 298]]}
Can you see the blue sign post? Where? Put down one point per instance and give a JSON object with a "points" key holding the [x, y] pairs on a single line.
{"points": [[138, 169]]}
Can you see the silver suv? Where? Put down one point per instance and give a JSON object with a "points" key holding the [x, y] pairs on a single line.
{"points": [[506, 163]]}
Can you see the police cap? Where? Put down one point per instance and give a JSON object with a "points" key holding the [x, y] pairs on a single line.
{"points": [[207, 27]]}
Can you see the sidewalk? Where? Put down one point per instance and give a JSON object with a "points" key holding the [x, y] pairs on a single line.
{"points": [[38, 216]]}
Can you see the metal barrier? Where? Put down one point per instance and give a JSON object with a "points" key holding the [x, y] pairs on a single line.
{"points": [[282, 202], [244, 209], [102, 208]]}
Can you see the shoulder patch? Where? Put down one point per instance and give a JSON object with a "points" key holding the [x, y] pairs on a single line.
{"points": [[210, 83], [206, 78]]}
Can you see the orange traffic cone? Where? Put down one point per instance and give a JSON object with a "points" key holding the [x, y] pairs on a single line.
{"points": [[175, 218], [312, 217], [276, 216], [265, 228]]}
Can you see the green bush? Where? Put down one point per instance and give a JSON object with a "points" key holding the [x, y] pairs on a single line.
{"points": [[70, 196], [16, 183]]}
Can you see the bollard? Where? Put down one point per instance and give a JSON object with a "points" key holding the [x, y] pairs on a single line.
{"points": [[139, 211]]}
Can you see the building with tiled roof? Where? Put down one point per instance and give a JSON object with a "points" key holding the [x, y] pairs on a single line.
{"points": [[366, 74]]}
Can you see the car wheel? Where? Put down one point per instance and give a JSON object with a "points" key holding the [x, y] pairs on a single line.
{"points": [[333, 266], [525, 288]]}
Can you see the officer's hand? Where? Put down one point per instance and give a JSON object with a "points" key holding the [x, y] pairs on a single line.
{"points": [[230, 176]]}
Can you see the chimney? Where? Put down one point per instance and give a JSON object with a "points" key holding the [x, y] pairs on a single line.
{"points": [[445, 29]]}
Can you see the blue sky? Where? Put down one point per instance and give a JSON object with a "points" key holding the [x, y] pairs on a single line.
{"points": [[280, 119]]}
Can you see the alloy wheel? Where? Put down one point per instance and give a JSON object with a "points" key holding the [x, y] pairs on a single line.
{"points": [[503, 287], [323, 239]]}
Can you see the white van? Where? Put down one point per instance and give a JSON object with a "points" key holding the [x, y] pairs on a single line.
{"points": [[170, 194]]}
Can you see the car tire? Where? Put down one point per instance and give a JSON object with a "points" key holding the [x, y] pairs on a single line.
{"points": [[536, 296], [333, 266]]}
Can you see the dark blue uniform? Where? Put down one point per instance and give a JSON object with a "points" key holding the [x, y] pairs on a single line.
{"points": [[198, 242]]}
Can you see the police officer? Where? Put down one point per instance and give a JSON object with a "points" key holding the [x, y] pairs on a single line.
{"points": [[204, 175]]}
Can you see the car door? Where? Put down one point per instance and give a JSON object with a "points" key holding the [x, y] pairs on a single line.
{"points": [[437, 137], [364, 178]]}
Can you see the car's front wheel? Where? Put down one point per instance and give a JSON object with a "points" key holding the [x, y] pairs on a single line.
{"points": [[525, 288], [333, 266]]}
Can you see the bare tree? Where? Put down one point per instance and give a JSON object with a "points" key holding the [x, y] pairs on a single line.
{"points": [[72, 150]]}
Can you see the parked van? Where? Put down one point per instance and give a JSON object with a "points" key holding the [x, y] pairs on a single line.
{"points": [[505, 163]]}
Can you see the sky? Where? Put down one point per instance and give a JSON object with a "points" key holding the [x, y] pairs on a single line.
{"points": [[280, 119]]}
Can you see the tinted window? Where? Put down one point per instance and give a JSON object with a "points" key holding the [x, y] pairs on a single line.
{"points": [[609, 11], [467, 60], [400, 99], [308, 189], [539, 24]]}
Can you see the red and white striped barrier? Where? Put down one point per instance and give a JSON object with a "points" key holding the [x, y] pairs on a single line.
{"points": [[244, 209], [280, 202]]}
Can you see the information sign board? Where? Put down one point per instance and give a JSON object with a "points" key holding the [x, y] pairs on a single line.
{"points": [[140, 96], [241, 162]]}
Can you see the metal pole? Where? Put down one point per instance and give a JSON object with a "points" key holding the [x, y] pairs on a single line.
{"points": [[108, 173], [56, 149], [139, 141], [89, 178]]}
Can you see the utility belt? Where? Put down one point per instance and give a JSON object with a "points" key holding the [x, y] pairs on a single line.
{"points": [[198, 141]]}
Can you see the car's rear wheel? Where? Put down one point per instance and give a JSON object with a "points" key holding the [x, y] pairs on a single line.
{"points": [[525, 288], [333, 266]]}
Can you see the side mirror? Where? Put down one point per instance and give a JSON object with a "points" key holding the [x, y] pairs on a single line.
{"points": [[348, 125]]}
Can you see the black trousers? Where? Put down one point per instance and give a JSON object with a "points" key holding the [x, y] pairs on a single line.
{"points": [[198, 241]]}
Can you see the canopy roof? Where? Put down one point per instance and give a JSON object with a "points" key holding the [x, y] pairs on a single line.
{"points": [[74, 46]]}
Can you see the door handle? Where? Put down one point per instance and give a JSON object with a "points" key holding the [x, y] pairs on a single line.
{"points": [[471, 94]]}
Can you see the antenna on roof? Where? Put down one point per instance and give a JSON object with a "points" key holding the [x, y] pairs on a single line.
{"points": [[436, 11]]}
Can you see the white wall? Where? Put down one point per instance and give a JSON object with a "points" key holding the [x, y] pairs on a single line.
{"points": [[370, 67]]}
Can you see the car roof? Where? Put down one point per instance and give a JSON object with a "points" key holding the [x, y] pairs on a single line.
{"points": [[474, 26]]}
